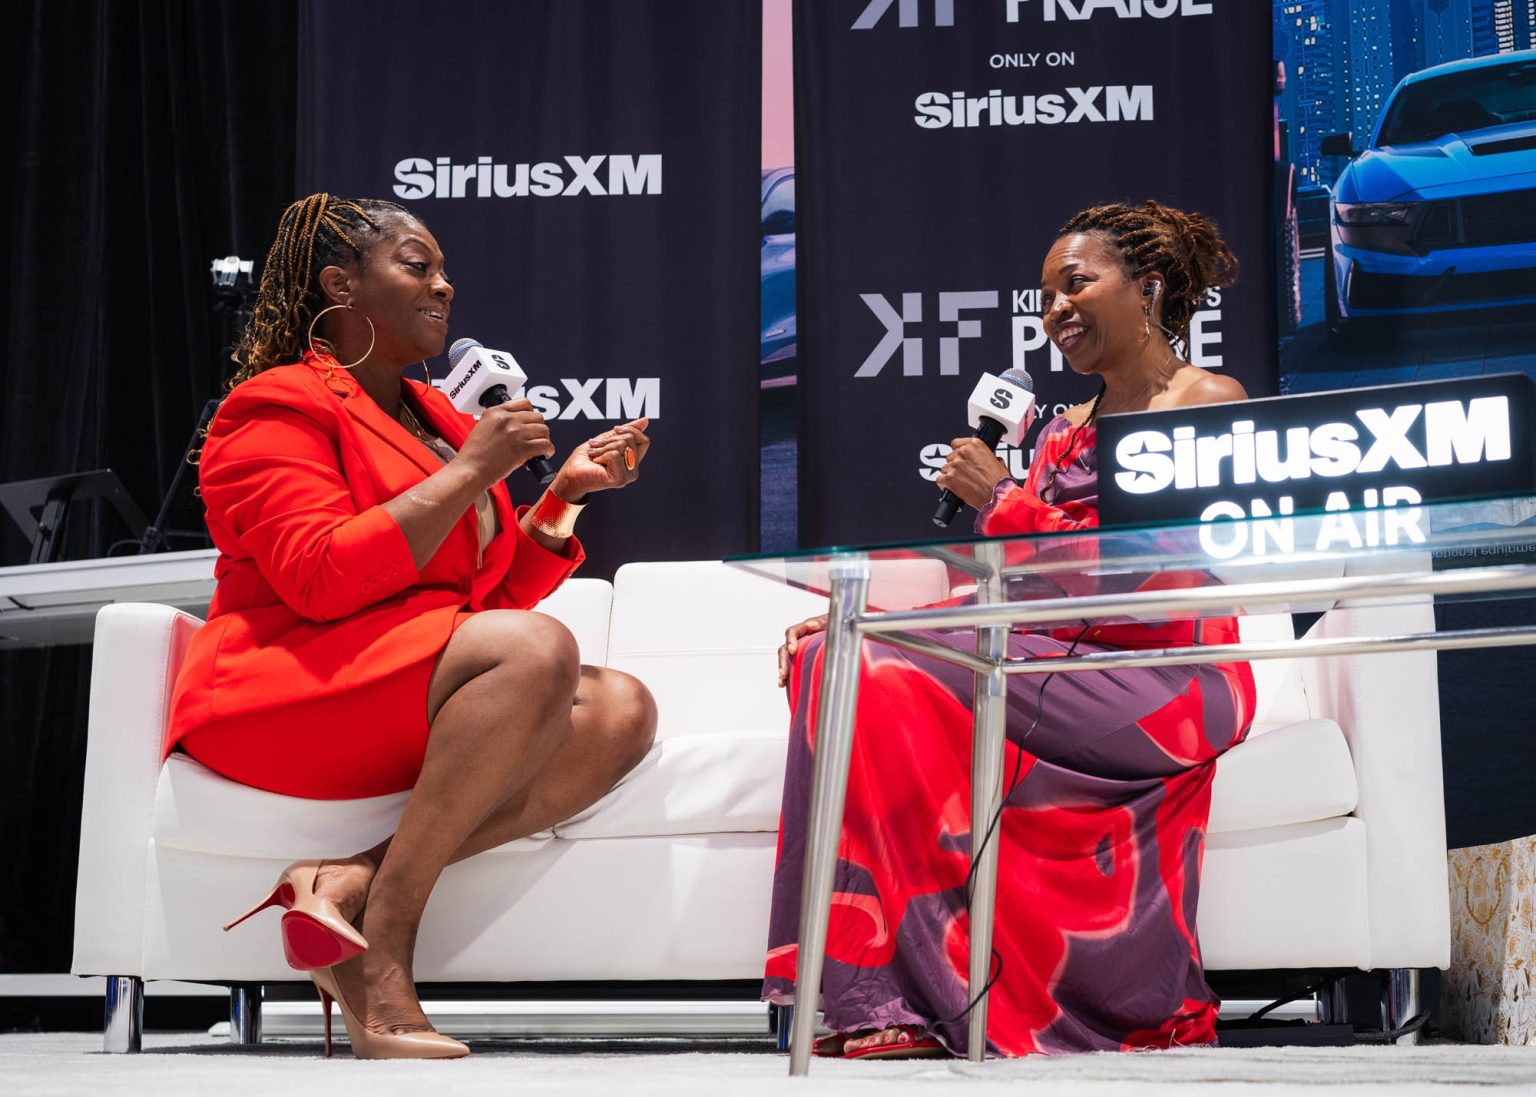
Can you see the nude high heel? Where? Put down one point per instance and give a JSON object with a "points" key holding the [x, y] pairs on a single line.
{"points": [[315, 935], [375, 1045]]}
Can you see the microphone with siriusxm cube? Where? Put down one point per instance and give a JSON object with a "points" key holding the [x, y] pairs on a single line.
{"points": [[1001, 409], [480, 378]]}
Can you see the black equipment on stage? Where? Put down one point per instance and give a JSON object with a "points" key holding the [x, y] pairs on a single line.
{"points": [[41, 507]]}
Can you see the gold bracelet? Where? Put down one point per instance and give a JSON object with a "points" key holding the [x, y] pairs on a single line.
{"points": [[553, 516]]}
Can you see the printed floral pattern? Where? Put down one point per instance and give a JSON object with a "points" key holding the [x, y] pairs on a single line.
{"points": [[1488, 995], [1101, 837]]}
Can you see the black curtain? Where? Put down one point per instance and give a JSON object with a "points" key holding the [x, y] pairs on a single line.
{"points": [[146, 138]]}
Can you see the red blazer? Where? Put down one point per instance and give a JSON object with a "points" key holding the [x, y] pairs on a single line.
{"points": [[317, 591]]}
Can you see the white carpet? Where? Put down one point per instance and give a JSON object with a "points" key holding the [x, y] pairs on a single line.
{"points": [[174, 1065]]}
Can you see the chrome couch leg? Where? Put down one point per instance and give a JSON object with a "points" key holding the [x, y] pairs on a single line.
{"points": [[123, 1026], [245, 1014], [783, 1017], [1400, 1002], [1333, 1002]]}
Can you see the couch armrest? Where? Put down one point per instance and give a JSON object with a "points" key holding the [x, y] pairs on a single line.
{"points": [[138, 650], [1389, 708]]}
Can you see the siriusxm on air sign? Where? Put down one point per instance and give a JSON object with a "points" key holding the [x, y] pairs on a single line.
{"points": [[1363, 448]]}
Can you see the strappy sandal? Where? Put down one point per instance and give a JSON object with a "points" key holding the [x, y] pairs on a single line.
{"points": [[911, 1042]]}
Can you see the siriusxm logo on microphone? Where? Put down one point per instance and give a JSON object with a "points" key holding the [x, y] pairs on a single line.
{"points": [[463, 382], [601, 176]]}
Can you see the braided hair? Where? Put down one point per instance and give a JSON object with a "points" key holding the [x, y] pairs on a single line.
{"points": [[1185, 248], [314, 233]]}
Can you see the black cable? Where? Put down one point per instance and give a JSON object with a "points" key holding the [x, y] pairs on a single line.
{"points": [[1310, 988], [995, 969], [1387, 1036]]}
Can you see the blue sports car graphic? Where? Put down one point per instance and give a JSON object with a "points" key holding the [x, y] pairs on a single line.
{"points": [[777, 301], [1439, 214]]}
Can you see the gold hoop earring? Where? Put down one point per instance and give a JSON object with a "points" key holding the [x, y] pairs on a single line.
{"points": [[426, 369], [372, 337]]}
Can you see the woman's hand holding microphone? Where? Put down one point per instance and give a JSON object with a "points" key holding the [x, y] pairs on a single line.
{"points": [[509, 435], [609, 460], [506, 437], [971, 471]]}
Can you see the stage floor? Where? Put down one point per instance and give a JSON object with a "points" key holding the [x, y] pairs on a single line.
{"points": [[173, 1065]]}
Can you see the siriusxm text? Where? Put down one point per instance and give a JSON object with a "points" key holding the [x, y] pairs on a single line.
{"points": [[1463, 432], [959, 110], [602, 175], [620, 398]]}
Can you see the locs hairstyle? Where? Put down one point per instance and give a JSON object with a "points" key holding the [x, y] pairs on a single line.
{"points": [[314, 233], [1185, 248]]}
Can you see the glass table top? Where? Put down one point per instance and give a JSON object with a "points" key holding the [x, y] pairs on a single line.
{"points": [[1296, 561]]}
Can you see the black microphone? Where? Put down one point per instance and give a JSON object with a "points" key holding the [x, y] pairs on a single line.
{"points": [[1000, 407], [480, 378]]}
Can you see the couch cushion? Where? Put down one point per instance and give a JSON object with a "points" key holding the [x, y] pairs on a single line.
{"points": [[1294, 774], [584, 606], [693, 784], [724, 782], [198, 810], [696, 784], [704, 637], [1282, 699]]}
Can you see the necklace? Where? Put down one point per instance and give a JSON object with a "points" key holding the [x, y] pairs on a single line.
{"points": [[409, 421], [1068, 451]]}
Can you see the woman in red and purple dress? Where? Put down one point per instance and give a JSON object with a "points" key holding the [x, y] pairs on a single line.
{"points": [[1103, 831]]}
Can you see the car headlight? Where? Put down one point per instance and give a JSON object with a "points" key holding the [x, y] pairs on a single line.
{"points": [[1374, 213], [1379, 226]]}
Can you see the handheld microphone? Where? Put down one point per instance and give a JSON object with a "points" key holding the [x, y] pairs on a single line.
{"points": [[480, 378], [1000, 409]]}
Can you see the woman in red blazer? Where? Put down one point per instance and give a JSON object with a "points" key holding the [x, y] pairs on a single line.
{"points": [[371, 632]]}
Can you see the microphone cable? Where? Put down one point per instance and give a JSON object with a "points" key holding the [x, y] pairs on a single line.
{"points": [[995, 968]]}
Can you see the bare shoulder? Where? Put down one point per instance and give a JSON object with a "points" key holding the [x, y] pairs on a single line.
{"points": [[1078, 414], [1200, 386]]}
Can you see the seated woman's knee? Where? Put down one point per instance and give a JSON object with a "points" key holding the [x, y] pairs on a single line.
{"points": [[534, 647], [624, 709]]}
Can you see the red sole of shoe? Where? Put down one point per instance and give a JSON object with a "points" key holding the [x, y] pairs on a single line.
{"points": [[308, 945]]}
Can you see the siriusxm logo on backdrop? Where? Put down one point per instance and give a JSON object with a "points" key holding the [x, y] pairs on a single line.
{"points": [[603, 175], [623, 398], [1116, 103], [909, 12]]}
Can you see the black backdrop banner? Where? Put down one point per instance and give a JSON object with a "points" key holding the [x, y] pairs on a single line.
{"points": [[939, 147], [591, 174]]}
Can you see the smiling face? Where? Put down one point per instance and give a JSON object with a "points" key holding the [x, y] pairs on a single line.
{"points": [[1094, 310], [401, 287]]}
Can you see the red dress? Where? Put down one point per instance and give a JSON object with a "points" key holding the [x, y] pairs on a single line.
{"points": [[310, 677], [1101, 838]]}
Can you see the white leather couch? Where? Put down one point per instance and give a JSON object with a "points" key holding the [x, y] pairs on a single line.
{"points": [[1326, 847]]}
